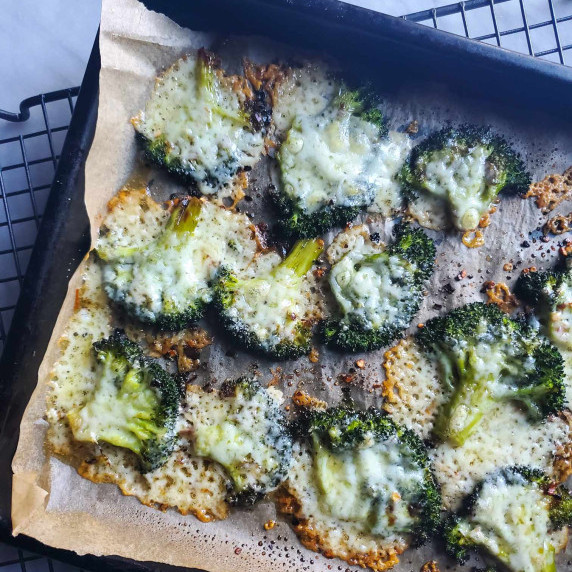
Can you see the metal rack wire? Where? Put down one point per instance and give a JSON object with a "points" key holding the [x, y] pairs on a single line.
{"points": [[493, 21], [31, 143], [27, 165]]}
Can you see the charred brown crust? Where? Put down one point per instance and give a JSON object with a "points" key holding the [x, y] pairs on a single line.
{"points": [[310, 536], [109, 476], [551, 191]]}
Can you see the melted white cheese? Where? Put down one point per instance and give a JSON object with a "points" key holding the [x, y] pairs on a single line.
{"points": [[206, 130], [461, 179], [307, 90], [239, 433], [429, 211], [368, 486], [116, 406], [273, 306], [504, 437], [343, 538], [168, 277], [331, 159], [390, 157], [188, 483], [511, 521], [376, 291]]}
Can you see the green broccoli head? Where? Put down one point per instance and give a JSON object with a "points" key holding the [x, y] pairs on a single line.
{"points": [[273, 312], [416, 247], [466, 168], [550, 293], [515, 515], [242, 427], [487, 357], [158, 284], [328, 165], [134, 403], [378, 291], [362, 102], [195, 96], [379, 469]]}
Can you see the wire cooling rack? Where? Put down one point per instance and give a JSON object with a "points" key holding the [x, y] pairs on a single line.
{"points": [[541, 28], [31, 141], [29, 153]]}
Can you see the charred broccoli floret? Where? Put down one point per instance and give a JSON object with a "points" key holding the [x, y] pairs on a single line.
{"points": [[465, 168], [201, 125], [371, 472], [329, 165], [163, 283], [134, 403], [550, 293], [487, 357], [273, 311], [242, 428], [515, 515], [378, 290]]}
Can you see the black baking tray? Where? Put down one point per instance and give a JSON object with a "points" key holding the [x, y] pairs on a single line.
{"points": [[393, 50]]}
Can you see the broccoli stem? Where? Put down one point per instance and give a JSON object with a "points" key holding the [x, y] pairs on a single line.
{"points": [[184, 217], [462, 413], [549, 558], [208, 88], [302, 256], [468, 403]]}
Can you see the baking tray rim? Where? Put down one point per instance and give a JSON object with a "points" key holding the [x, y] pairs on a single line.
{"points": [[66, 196]]}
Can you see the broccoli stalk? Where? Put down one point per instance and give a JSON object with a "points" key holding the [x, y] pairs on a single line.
{"points": [[319, 190], [134, 404], [487, 357], [373, 316], [153, 283], [466, 168], [352, 451], [514, 515], [210, 90], [271, 313]]}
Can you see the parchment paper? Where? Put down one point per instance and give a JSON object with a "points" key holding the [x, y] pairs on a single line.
{"points": [[56, 506]]}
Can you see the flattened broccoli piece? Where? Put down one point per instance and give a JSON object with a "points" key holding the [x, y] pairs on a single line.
{"points": [[273, 312], [134, 404], [487, 357], [516, 515], [162, 284], [329, 165], [202, 125], [242, 428], [466, 168], [550, 293], [372, 472], [378, 290]]}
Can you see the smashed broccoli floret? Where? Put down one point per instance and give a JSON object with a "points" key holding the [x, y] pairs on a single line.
{"points": [[466, 168], [514, 515], [550, 293], [242, 427], [272, 312], [161, 284], [134, 403], [329, 165], [487, 357], [371, 472], [378, 290], [202, 125]]}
